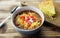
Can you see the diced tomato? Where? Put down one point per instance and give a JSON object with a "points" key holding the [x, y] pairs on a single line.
{"points": [[22, 17], [29, 24], [27, 18], [33, 18]]}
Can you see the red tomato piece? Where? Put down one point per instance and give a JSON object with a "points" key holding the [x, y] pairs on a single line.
{"points": [[29, 24], [33, 18], [22, 17], [27, 18]]}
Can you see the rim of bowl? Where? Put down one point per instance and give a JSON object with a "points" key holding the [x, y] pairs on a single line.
{"points": [[32, 10]]}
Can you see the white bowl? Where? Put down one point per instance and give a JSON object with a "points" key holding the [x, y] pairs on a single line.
{"points": [[27, 8]]}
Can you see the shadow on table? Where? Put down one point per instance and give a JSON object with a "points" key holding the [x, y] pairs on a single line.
{"points": [[51, 26], [36, 35], [40, 34], [47, 25]]}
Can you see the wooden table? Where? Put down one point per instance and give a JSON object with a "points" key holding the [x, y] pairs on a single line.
{"points": [[7, 31]]}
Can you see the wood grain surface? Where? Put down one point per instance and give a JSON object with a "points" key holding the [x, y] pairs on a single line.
{"points": [[46, 31]]}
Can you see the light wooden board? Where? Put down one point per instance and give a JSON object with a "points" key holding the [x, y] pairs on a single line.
{"points": [[45, 32]]}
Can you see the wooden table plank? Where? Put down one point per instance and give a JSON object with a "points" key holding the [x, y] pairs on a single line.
{"points": [[8, 31]]}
